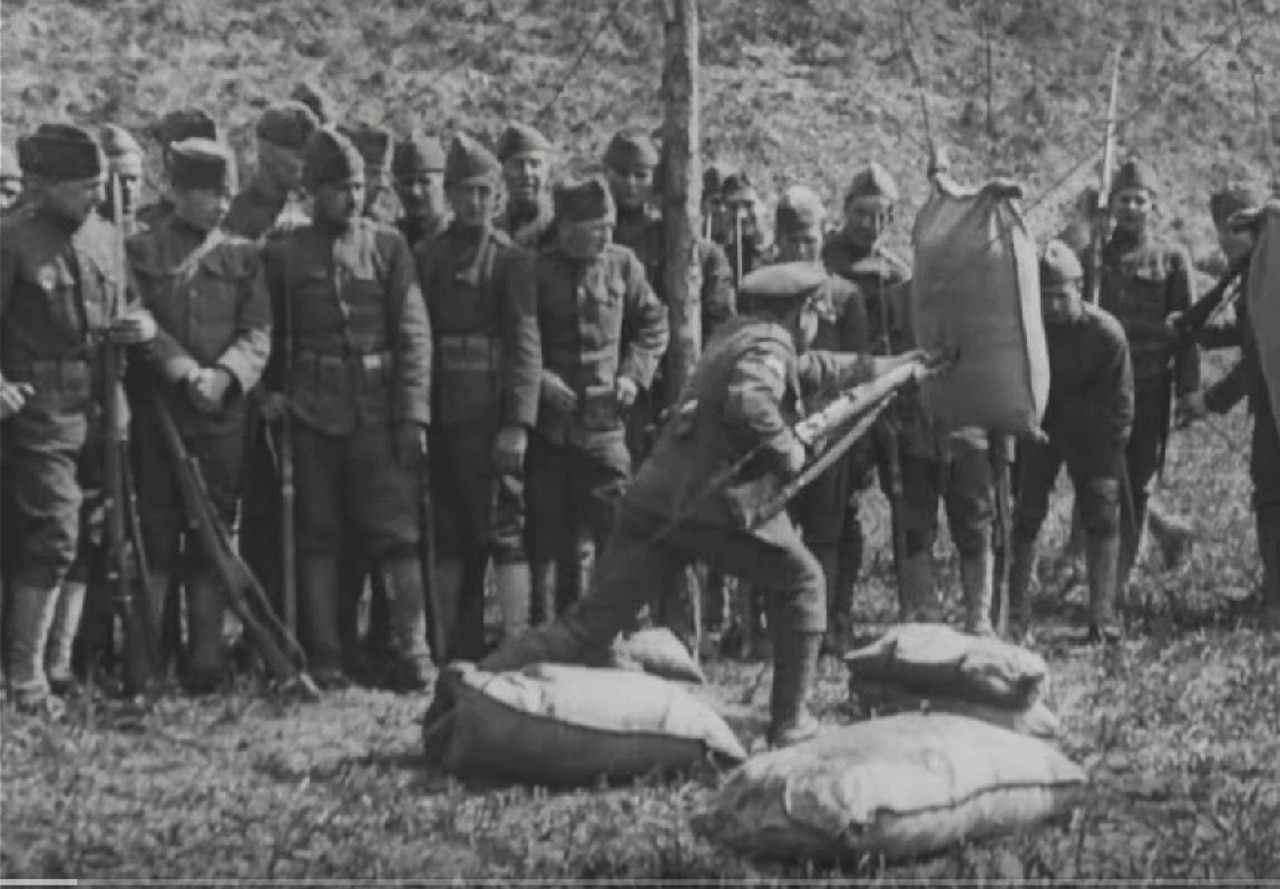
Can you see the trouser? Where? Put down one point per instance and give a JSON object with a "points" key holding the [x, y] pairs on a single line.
{"points": [[963, 481], [1142, 462], [642, 556], [1087, 464], [573, 494], [1264, 461], [827, 513], [260, 538]]}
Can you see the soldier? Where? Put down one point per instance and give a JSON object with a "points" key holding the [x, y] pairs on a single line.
{"points": [[314, 96], [1144, 280], [124, 166], [207, 293], [485, 385], [603, 334], [374, 145], [822, 510], [417, 168], [10, 180], [1230, 208], [351, 326], [175, 126], [742, 399], [62, 288], [1087, 421], [525, 155], [282, 130]]}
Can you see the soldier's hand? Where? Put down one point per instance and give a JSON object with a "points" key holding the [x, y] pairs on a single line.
{"points": [[627, 390], [794, 458], [556, 392], [1190, 408], [410, 440], [509, 449], [134, 327], [274, 405], [208, 387], [12, 397]]}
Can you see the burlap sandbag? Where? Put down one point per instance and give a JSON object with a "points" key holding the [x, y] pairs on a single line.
{"points": [[1264, 302], [884, 699], [902, 787], [975, 289], [934, 659], [564, 725], [656, 650]]}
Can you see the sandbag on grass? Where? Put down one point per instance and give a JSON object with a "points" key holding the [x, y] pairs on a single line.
{"points": [[884, 699], [656, 650], [935, 659], [901, 787], [563, 725]]}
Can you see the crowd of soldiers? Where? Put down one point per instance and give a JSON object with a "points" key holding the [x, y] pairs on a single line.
{"points": [[394, 312]]}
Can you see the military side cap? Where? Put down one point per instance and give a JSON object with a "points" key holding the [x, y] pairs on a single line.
{"points": [[1135, 173], [1226, 202], [200, 163], [118, 142], [874, 182], [314, 96], [713, 177], [61, 151], [520, 139], [1059, 265], [469, 161], [799, 209], [587, 201], [329, 158], [185, 123], [419, 153], [629, 148], [287, 124], [738, 187], [373, 143], [784, 281], [9, 168]]}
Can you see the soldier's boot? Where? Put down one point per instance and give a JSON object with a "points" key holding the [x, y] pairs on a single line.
{"points": [[1102, 562], [513, 586], [837, 610], [1269, 550], [28, 618], [62, 636], [412, 669], [977, 579], [318, 587], [915, 589], [795, 666], [1022, 569], [450, 577], [206, 612], [543, 583], [1173, 535]]}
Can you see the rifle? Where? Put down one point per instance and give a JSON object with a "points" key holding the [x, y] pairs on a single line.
{"points": [[1003, 490], [276, 644], [126, 568], [1102, 208], [1192, 321], [288, 492]]}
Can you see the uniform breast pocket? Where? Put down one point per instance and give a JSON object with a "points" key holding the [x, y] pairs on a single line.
{"points": [[1145, 294], [605, 308]]}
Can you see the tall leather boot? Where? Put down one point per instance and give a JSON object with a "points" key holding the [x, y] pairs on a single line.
{"points": [[795, 666], [915, 589], [1102, 562], [62, 636], [450, 579], [407, 610], [30, 614], [206, 611], [837, 618], [513, 583], [977, 576], [318, 586], [1269, 550], [1022, 569], [543, 581]]}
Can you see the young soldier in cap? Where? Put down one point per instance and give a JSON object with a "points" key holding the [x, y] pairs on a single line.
{"points": [[1144, 280], [350, 317], [175, 126], [10, 180], [485, 385], [282, 130], [374, 145], [827, 510], [525, 155], [1091, 391], [417, 170], [314, 96], [1230, 208], [209, 298], [62, 289], [603, 333], [743, 399], [124, 176]]}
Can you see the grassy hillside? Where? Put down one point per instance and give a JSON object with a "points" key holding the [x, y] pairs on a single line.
{"points": [[797, 90]]}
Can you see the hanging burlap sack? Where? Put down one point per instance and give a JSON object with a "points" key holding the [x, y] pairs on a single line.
{"points": [[900, 787], [976, 289], [562, 725]]}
